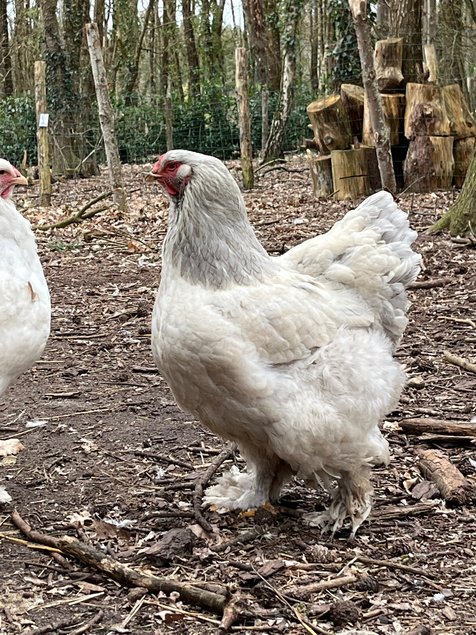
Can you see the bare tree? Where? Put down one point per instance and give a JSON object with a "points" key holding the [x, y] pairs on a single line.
{"points": [[275, 143]]}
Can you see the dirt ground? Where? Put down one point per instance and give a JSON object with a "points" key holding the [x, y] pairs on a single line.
{"points": [[110, 459]]}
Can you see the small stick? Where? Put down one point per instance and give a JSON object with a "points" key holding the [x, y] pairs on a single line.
{"points": [[303, 592], [390, 564], [38, 537], [453, 486], [124, 574], [459, 361], [437, 426], [429, 284], [204, 480], [162, 458], [89, 624]]}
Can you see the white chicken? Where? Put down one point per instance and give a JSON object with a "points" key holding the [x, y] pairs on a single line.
{"points": [[24, 297], [291, 357]]}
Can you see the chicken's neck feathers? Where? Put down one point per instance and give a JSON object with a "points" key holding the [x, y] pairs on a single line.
{"points": [[212, 243]]}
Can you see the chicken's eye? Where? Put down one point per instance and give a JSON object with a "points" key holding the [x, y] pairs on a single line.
{"points": [[172, 166], [2, 172]]}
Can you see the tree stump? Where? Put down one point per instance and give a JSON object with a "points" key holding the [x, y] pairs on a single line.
{"points": [[353, 100], [463, 150], [321, 175], [425, 112], [349, 174], [373, 172], [388, 58], [429, 164], [462, 123], [330, 124], [393, 109]]}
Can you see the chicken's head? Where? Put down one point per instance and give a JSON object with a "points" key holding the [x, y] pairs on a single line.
{"points": [[172, 172], [9, 177]]}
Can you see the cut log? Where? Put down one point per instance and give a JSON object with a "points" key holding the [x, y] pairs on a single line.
{"points": [[430, 65], [437, 426], [425, 112], [462, 123], [388, 58], [429, 164], [321, 175], [394, 109], [330, 124], [453, 486], [373, 172], [463, 150], [353, 100], [349, 174]]}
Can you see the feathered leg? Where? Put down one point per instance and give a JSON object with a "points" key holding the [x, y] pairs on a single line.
{"points": [[261, 483], [352, 498]]}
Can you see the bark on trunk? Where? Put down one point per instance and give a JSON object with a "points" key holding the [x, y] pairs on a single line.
{"points": [[106, 117], [244, 118], [425, 112], [429, 164], [377, 118], [460, 219], [393, 109], [42, 135]]}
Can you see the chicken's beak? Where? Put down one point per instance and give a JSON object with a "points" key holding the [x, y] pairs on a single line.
{"points": [[152, 176], [20, 180]]}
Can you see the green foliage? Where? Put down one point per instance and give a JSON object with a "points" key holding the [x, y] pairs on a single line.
{"points": [[18, 128], [345, 54]]}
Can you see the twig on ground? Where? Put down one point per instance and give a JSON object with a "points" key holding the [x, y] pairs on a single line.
{"points": [[38, 537], [311, 629], [79, 216], [390, 564], [303, 592], [459, 361], [437, 426], [244, 537], [430, 284], [453, 486], [204, 480], [162, 458], [124, 574], [450, 318], [52, 627], [89, 624]]}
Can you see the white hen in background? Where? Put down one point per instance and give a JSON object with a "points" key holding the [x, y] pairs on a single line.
{"points": [[24, 297], [289, 356]]}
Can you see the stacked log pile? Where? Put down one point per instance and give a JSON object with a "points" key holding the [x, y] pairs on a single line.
{"points": [[430, 126]]}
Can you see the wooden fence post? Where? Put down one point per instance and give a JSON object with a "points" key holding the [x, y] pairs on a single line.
{"points": [[106, 116], [244, 118], [42, 134]]}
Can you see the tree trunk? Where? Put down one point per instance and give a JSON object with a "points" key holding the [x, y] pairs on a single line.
{"points": [[42, 135], [377, 118], [244, 118], [450, 41], [6, 86], [410, 28], [463, 150], [62, 95], [106, 117], [191, 50], [273, 44], [460, 219], [275, 143]]}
